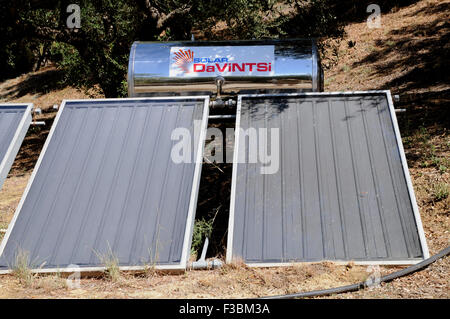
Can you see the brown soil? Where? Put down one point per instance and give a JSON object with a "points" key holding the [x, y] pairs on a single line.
{"points": [[408, 55]]}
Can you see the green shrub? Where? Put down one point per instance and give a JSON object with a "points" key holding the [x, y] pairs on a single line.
{"points": [[440, 191], [202, 229]]}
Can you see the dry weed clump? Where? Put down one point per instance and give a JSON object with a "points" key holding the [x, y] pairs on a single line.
{"points": [[22, 269]]}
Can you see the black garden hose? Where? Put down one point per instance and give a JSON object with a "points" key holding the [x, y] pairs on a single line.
{"points": [[361, 285]]}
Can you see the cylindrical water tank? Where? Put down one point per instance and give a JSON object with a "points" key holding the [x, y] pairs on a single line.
{"points": [[192, 66]]}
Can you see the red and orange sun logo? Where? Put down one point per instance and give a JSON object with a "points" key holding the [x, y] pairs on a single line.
{"points": [[183, 59]]}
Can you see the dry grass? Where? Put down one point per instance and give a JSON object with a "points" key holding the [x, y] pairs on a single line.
{"points": [[429, 283], [43, 89], [408, 53], [236, 282], [440, 191], [379, 59], [21, 269], [10, 195], [111, 263], [229, 282]]}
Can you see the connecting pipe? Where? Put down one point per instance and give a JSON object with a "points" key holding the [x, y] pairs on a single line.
{"points": [[219, 103], [222, 117], [202, 263], [37, 111], [220, 80]]}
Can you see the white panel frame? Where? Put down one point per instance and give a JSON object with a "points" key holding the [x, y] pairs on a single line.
{"points": [[187, 241], [418, 220], [16, 142]]}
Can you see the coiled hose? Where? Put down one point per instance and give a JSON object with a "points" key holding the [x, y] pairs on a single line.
{"points": [[362, 285]]}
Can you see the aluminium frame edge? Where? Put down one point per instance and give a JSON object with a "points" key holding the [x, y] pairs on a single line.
{"points": [[237, 129], [187, 242], [412, 196], [95, 269]]}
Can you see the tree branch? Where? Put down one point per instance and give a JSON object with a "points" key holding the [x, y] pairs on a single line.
{"points": [[69, 36], [162, 19], [166, 18]]}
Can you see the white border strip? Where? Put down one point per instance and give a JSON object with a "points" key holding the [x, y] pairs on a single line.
{"points": [[237, 129], [339, 262], [192, 204], [387, 93], [195, 187], [16, 142], [412, 196], [174, 268]]}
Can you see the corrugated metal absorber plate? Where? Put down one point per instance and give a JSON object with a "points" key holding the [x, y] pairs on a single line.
{"points": [[341, 190], [105, 186], [14, 122]]}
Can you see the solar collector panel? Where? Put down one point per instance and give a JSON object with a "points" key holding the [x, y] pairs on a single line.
{"points": [[341, 192], [106, 184], [14, 122]]}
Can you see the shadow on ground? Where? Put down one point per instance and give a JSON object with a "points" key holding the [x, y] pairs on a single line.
{"points": [[327, 18], [36, 83], [427, 116], [419, 71], [421, 49]]}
